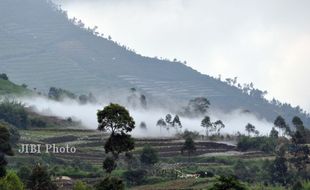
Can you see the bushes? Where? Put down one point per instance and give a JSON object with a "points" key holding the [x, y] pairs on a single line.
{"points": [[135, 177], [4, 76], [110, 183], [11, 182], [14, 113], [265, 144]]}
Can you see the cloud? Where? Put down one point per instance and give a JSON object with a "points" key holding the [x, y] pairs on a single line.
{"points": [[234, 121], [260, 41]]}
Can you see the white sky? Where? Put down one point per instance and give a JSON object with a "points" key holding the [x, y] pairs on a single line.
{"points": [[262, 41]]}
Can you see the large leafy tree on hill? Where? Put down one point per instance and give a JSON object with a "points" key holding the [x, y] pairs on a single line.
{"points": [[116, 119]]}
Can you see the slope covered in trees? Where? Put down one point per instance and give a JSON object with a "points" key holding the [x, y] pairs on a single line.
{"points": [[40, 46]]}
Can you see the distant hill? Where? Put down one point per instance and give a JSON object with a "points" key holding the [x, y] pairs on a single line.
{"points": [[42, 48]]}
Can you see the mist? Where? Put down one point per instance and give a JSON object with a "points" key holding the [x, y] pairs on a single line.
{"points": [[86, 114], [260, 41]]}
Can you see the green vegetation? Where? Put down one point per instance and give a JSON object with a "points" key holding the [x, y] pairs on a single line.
{"points": [[9, 88], [11, 182], [5, 149]]}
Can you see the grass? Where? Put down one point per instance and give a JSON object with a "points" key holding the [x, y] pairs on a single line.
{"points": [[7, 87]]}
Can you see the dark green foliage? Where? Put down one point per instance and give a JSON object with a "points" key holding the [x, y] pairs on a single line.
{"points": [[3, 76], [279, 171], [59, 94], [274, 133], [281, 124], [204, 174], [206, 123], [84, 99], [197, 106], [297, 186], [5, 148], [265, 144], [297, 122], [228, 183], [135, 177], [109, 164], [14, 113], [14, 133], [189, 134], [246, 172], [110, 183], [40, 179], [250, 128], [300, 156], [149, 156], [118, 143], [116, 119], [24, 173], [189, 147], [37, 122]]}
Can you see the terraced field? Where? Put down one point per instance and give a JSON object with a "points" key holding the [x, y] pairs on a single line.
{"points": [[89, 144]]}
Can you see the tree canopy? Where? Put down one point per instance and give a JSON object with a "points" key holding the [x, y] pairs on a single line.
{"points": [[115, 118]]}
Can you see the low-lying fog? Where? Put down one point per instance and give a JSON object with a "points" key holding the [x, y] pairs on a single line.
{"points": [[234, 121]]}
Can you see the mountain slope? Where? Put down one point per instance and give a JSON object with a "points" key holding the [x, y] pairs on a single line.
{"points": [[41, 47]]}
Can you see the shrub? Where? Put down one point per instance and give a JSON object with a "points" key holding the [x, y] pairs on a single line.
{"points": [[265, 144], [4, 76], [149, 156], [79, 185], [11, 182], [110, 183], [14, 112], [135, 177]]}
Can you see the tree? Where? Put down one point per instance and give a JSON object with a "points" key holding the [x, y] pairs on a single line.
{"points": [[279, 171], [189, 147], [218, 125], [110, 183], [250, 128], [280, 124], [143, 125], [227, 183], [116, 119], [4, 76], [198, 106], [149, 156], [297, 122], [40, 179], [5, 148], [176, 122], [143, 101], [274, 133], [109, 164], [206, 123], [11, 182], [168, 119], [118, 143], [161, 123]]}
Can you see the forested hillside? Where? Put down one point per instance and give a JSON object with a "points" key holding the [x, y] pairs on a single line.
{"points": [[41, 47]]}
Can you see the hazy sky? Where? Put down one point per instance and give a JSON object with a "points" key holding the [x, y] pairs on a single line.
{"points": [[262, 41]]}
